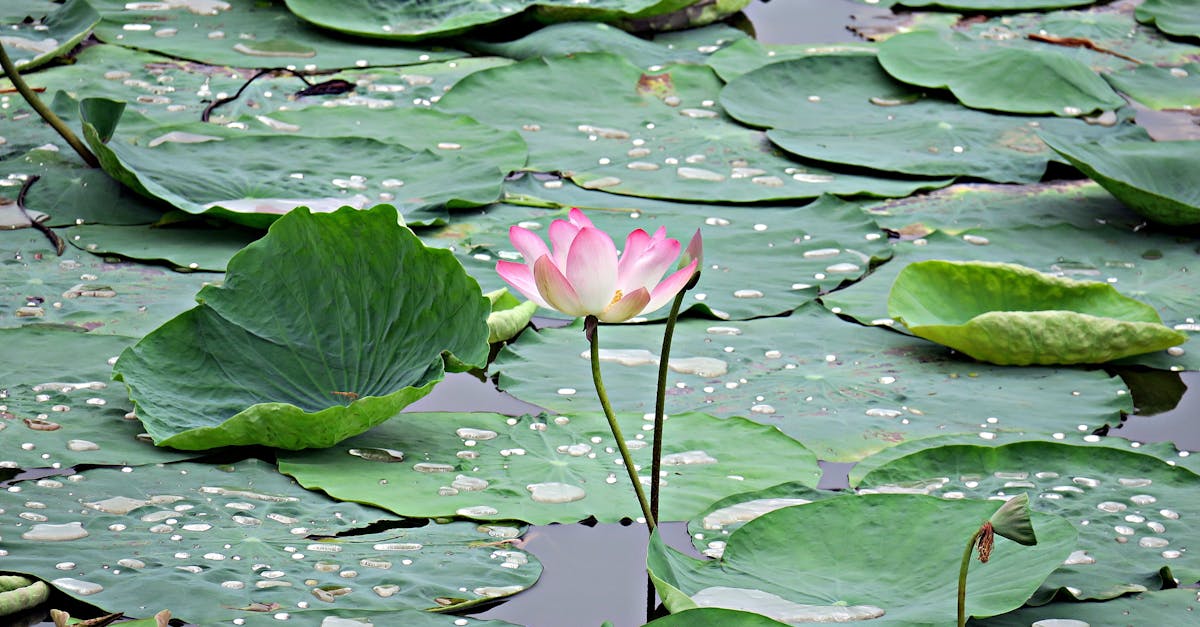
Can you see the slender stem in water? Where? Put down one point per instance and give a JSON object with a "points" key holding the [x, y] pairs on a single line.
{"points": [[10, 70], [962, 578], [661, 403], [591, 328]]}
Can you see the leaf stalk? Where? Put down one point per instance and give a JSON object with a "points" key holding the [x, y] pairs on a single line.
{"points": [[10, 70], [591, 328]]}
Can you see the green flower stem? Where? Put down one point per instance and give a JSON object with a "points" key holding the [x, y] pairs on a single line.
{"points": [[592, 329], [962, 578], [660, 403], [53, 120]]}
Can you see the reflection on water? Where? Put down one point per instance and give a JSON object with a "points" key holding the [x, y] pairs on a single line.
{"points": [[591, 574], [807, 21]]}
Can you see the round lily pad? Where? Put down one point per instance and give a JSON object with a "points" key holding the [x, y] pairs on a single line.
{"points": [[252, 171], [990, 75], [237, 34], [1133, 511], [1176, 17], [547, 468], [842, 390], [1160, 87], [243, 543], [808, 104], [907, 547], [711, 528], [308, 353], [1155, 179], [411, 21], [42, 31], [1013, 315], [182, 246], [88, 292], [72, 193], [657, 134], [58, 407], [558, 40], [1164, 607]]}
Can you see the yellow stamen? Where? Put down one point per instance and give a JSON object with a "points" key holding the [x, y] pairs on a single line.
{"points": [[616, 297]]}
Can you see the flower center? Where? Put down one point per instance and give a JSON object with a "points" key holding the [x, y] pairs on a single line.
{"points": [[616, 297]]}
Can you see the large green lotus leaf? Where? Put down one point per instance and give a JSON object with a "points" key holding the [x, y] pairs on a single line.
{"points": [[1164, 607], [1133, 511], [85, 291], [1159, 87], [59, 408], [253, 171], [411, 21], [548, 468], [186, 246], [989, 75], [714, 616], [659, 135], [789, 262], [243, 543], [1176, 17], [711, 528], [1150, 264], [1012, 315], [866, 300], [70, 192], [843, 390], [985, 5], [410, 86], [879, 123], [1155, 179], [169, 91], [748, 54], [1120, 42], [983, 208], [158, 87], [575, 37], [457, 136], [1085, 437], [44, 32], [240, 34], [340, 338], [901, 568], [20, 132]]}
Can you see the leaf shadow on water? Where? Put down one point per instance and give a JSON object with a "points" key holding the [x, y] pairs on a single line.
{"points": [[1168, 409]]}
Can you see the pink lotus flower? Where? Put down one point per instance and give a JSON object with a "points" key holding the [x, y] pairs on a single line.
{"points": [[584, 275]]}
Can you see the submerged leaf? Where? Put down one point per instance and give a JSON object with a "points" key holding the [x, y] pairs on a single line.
{"points": [[327, 326], [1012, 315]]}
